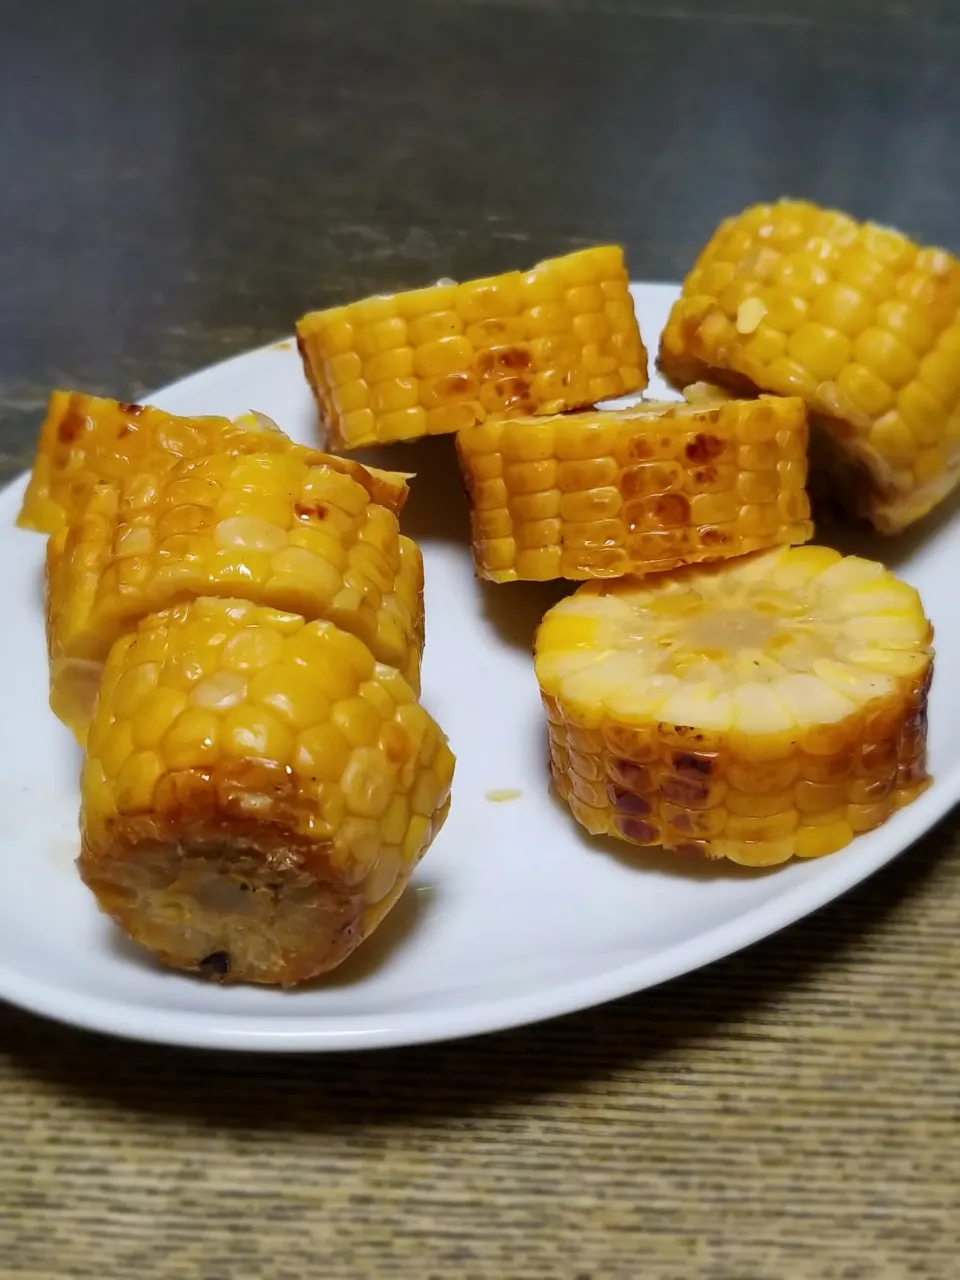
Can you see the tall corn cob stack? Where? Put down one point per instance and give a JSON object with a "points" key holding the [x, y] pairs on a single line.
{"points": [[284, 528], [256, 791], [259, 782], [856, 319], [641, 490], [761, 709], [441, 359]]}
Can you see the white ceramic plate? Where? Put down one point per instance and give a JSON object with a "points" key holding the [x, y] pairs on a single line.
{"points": [[514, 915]]}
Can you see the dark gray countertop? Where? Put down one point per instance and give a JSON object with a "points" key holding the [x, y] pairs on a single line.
{"points": [[179, 181]]}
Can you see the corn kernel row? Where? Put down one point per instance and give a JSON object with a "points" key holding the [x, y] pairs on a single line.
{"points": [[439, 360], [636, 491]]}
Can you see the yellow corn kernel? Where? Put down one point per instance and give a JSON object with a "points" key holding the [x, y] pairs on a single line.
{"points": [[559, 337], [735, 710], [863, 327], [638, 490], [290, 529], [245, 838]]}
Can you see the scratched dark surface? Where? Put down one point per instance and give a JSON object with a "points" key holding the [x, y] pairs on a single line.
{"points": [[179, 180]]}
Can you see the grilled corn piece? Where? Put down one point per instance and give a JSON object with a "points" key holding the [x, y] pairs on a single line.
{"points": [[285, 529], [593, 495], [862, 323], [256, 791], [438, 360], [759, 709], [88, 440]]}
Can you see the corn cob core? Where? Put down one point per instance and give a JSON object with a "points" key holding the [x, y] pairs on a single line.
{"points": [[88, 440], [438, 360], [592, 495], [256, 792], [757, 710], [861, 322], [284, 529]]}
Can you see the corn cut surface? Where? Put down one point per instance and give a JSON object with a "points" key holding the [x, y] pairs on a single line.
{"points": [[861, 322], [256, 792], [287, 529], [759, 709], [635, 491], [438, 360]]}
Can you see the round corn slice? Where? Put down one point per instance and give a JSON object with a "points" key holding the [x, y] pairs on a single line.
{"points": [[436, 360], [635, 491], [861, 322], [257, 791], [287, 529], [759, 709], [87, 440]]}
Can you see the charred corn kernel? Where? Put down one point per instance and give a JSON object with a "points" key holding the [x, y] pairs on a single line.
{"points": [[862, 323], [87, 440], [246, 838], [287, 529], [759, 709], [635, 491], [439, 360]]}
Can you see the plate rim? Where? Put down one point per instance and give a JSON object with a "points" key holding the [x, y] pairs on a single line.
{"points": [[252, 1033], [313, 1033]]}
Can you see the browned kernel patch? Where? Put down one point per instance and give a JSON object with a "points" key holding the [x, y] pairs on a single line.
{"points": [[628, 802], [457, 384], [514, 393], [637, 830], [635, 777], [686, 792], [513, 358], [70, 427], [502, 359], [310, 511], [703, 447], [686, 763], [670, 509], [639, 449]]}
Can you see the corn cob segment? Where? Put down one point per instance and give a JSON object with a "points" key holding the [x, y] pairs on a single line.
{"points": [[635, 491], [87, 440], [440, 359], [861, 322], [759, 709], [283, 529], [257, 791]]}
